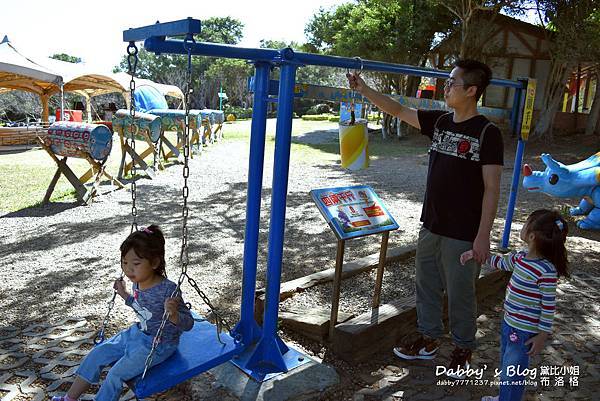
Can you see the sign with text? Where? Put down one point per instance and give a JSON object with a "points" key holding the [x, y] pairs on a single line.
{"points": [[353, 211], [528, 109]]}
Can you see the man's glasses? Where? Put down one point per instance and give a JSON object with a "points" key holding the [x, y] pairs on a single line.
{"points": [[449, 84]]}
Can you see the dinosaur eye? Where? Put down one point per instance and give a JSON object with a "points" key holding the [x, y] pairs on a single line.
{"points": [[553, 179]]}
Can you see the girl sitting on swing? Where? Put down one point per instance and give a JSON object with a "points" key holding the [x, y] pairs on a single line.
{"points": [[143, 262]]}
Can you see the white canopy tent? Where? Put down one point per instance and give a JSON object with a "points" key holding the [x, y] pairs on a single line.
{"points": [[21, 73], [51, 76]]}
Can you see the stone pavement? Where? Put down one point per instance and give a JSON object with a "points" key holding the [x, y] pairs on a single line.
{"points": [[567, 369], [39, 361]]}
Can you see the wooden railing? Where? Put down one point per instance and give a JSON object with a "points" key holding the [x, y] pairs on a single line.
{"points": [[22, 135]]}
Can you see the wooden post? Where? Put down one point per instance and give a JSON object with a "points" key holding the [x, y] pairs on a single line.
{"points": [[51, 186], [337, 282], [380, 268], [98, 167], [44, 100], [174, 150], [63, 168]]}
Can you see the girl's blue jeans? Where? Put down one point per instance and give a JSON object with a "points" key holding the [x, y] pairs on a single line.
{"points": [[513, 358], [127, 351]]}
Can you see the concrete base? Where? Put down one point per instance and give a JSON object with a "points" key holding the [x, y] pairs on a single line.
{"points": [[305, 382]]}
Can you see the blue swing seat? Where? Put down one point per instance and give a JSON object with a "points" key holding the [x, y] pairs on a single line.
{"points": [[199, 350]]}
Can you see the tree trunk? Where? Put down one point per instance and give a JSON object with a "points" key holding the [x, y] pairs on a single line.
{"points": [[553, 95], [592, 124]]}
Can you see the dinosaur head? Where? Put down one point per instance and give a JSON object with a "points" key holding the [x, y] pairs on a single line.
{"points": [[555, 180]]}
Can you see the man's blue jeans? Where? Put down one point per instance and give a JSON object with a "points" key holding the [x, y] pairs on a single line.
{"points": [[128, 351], [513, 358]]}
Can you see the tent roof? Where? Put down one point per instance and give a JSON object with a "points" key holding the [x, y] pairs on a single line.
{"points": [[20, 72]]}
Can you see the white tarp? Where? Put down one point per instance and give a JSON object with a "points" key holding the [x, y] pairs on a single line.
{"points": [[20, 72]]}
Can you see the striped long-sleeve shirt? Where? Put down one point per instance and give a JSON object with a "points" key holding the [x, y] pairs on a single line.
{"points": [[530, 298]]}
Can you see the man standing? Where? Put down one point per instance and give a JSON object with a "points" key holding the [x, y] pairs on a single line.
{"points": [[461, 200]]}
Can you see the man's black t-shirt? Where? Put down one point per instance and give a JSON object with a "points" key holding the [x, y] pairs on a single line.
{"points": [[452, 205]]}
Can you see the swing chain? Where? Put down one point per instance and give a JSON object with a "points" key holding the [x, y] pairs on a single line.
{"points": [[352, 92], [132, 60], [183, 257], [100, 335]]}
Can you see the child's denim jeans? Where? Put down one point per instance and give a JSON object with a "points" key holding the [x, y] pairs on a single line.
{"points": [[128, 351], [513, 360]]}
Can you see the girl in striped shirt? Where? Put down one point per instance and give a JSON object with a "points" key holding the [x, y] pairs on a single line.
{"points": [[529, 303]]}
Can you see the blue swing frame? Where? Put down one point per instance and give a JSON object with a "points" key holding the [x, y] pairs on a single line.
{"points": [[261, 353]]}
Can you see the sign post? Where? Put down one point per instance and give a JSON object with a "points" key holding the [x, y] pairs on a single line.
{"points": [[353, 212]]}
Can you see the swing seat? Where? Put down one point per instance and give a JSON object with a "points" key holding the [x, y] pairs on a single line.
{"points": [[199, 350]]}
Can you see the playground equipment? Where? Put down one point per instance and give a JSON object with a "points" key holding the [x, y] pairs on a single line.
{"points": [[564, 181], [198, 338], [261, 353], [91, 142], [146, 127]]}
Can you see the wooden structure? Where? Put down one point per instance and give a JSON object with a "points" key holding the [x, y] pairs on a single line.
{"points": [[83, 194], [10, 136], [337, 279], [383, 328], [147, 128], [516, 49]]}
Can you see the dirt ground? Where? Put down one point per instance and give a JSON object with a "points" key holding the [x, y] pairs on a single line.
{"points": [[59, 261]]}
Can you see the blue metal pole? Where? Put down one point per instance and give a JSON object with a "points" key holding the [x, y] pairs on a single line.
{"points": [[161, 45], [247, 327], [516, 115], [269, 351]]}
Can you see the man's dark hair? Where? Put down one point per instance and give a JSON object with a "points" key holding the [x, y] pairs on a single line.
{"points": [[475, 73]]}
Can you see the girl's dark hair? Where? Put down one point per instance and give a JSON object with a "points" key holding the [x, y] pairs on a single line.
{"points": [[550, 233], [147, 243]]}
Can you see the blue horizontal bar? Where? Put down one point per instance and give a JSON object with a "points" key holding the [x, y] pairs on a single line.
{"points": [[160, 45], [154, 36], [175, 28]]}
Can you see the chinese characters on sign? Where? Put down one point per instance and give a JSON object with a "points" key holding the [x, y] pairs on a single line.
{"points": [[528, 111], [353, 211]]}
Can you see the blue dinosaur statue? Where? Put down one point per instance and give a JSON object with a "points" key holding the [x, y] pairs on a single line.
{"points": [[576, 180]]}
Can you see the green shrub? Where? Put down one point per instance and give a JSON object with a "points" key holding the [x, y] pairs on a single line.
{"points": [[238, 112], [318, 117]]}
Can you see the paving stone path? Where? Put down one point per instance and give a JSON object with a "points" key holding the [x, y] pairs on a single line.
{"points": [[39, 361], [567, 369]]}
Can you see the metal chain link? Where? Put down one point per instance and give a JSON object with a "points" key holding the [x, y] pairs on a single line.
{"points": [[132, 60], [184, 260], [183, 257], [100, 335], [352, 94]]}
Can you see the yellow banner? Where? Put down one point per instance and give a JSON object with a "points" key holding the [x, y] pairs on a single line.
{"points": [[528, 111]]}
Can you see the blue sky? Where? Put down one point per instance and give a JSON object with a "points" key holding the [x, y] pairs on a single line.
{"points": [[93, 30]]}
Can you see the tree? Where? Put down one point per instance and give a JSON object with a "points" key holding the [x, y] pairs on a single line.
{"points": [[171, 69], [575, 37], [473, 20], [393, 31], [233, 75], [66, 57], [593, 121]]}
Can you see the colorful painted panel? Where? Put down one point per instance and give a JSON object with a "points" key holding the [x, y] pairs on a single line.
{"points": [[77, 139], [353, 211], [143, 123], [174, 119]]}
